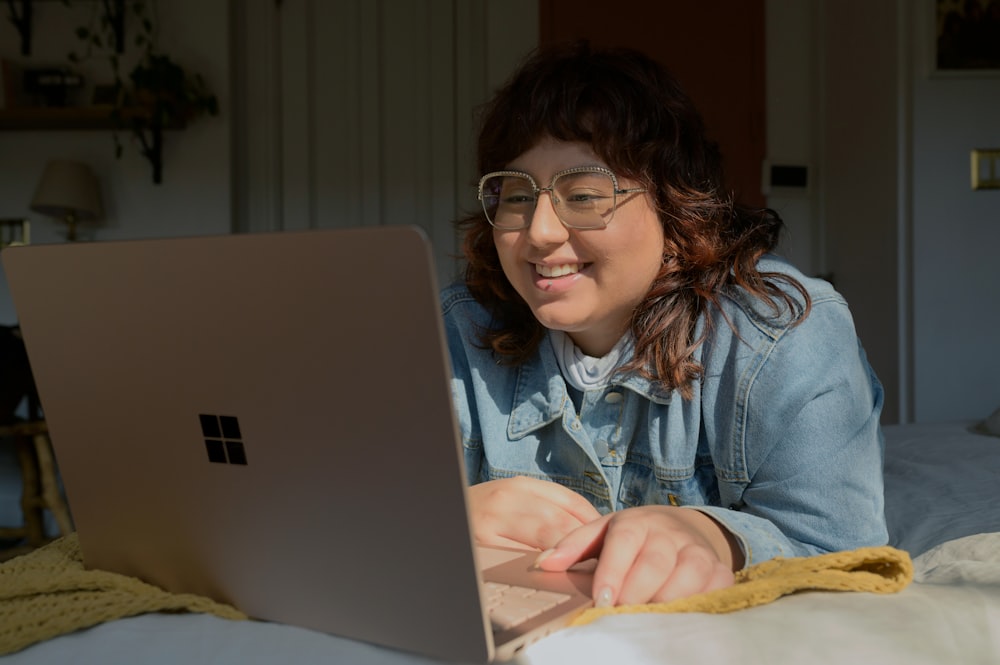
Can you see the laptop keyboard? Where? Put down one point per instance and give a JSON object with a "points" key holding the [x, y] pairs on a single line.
{"points": [[510, 606]]}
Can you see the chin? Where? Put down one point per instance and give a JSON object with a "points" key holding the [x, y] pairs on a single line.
{"points": [[555, 322]]}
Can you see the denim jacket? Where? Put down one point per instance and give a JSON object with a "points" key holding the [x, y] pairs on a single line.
{"points": [[780, 443]]}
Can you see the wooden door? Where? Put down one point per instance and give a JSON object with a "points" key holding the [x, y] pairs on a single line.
{"points": [[715, 49]]}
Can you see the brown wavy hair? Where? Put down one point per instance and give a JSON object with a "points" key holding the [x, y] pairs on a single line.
{"points": [[636, 118]]}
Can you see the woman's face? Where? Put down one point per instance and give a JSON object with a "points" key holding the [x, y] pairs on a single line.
{"points": [[583, 282]]}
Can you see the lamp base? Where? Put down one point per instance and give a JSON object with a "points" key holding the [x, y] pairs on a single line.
{"points": [[70, 228]]}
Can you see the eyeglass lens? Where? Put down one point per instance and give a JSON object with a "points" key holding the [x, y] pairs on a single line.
{"points": [[583, 199]]}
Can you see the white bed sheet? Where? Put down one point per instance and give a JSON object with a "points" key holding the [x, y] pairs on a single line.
{"points": [[942, 482], [942, 491], [936, 621]]}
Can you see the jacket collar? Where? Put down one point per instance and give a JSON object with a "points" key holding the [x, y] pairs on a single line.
{"points": [[541, 396]]}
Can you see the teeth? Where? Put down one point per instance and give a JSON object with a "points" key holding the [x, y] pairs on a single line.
{"points": [[557, 271]]}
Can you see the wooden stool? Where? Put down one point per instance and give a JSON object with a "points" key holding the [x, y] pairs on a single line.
{"points": [[40, 485]]}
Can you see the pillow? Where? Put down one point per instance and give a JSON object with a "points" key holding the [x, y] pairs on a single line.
{"points": [[989, 426], [972, 560]]}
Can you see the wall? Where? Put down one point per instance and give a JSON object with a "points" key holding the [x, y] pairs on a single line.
{"points": [[955, 236], [361, 113], [194, 197], [849, 94], [793, 126], [333, 114], [861, 109], [822, 60], [889, 211]]}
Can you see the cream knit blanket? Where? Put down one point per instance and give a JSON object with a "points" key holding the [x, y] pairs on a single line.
{"points": [[48, 592]]}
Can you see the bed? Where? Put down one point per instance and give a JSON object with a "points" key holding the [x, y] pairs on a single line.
{"points": [[942, 505]]}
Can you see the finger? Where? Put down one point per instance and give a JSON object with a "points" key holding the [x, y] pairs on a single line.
{"points": [[495, 540], [573, 503], [722, 578], [584, 542], [652, 568], [696, 571], [627, 564], [540, 529], [614, 540], [544, 491], [546, 524], [529, 512], [540, 513]]}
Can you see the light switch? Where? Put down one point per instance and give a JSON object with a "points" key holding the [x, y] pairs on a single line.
{"points": [[986, 168]]}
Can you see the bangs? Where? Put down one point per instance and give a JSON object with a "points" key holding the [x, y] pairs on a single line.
{"points": [[613, 105]]}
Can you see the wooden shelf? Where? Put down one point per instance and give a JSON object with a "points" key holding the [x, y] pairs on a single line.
{"points": [[50, 119]]}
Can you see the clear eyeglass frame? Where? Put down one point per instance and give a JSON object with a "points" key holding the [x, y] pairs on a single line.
{"points": [[554, 200]]}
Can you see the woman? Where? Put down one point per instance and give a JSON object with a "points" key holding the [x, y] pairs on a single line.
{"points": [[638, 379]]}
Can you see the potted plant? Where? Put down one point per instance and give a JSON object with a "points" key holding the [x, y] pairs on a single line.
{"points": [[158, 93], [162, 94]]}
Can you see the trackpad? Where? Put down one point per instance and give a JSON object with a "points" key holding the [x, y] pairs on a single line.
{"points": [[492, 556]]}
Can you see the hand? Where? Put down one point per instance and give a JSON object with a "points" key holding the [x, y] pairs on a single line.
{"points": [[649, 554], [526, 512]]}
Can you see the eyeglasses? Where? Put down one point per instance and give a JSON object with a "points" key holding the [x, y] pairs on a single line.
{"points": [[584, 197]]}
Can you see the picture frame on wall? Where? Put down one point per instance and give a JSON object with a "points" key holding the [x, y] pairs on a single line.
{"points": [[966, 37]]}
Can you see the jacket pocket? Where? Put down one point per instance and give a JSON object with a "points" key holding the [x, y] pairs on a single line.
{"points": [[644, 485]]}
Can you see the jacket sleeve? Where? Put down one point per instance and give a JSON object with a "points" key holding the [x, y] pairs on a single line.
{"points": [[461, 389], [807, 425]]}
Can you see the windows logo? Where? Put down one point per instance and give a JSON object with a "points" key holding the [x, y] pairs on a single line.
{"points": [[223, 440]]}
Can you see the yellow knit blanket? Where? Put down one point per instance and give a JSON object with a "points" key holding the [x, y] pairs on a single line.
{"points": [[48, 592], [872, 569]]}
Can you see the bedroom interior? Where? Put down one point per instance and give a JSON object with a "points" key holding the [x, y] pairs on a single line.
{"points": [[849, 98]]}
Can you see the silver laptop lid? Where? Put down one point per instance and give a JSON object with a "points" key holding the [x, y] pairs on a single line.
{"points": [[264, 419]]}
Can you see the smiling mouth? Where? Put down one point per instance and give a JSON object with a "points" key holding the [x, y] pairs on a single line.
{"points": [[558, 271]]}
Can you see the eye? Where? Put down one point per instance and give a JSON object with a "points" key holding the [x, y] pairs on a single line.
{"points": [[517, 194], [585, 188], [583, 196]]}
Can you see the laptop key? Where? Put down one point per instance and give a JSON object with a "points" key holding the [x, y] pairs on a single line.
{"points": [[510, 606]]}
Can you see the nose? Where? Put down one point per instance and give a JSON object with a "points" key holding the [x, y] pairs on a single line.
{"points": [[546, 228]]}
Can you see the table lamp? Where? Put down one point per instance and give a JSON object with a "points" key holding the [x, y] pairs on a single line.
{"points": [[68, 191]]}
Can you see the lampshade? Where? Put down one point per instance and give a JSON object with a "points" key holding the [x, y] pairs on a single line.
{"points": [[68, 191]]}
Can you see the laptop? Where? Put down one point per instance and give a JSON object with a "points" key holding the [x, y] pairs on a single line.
{"points": [[266, 419]]}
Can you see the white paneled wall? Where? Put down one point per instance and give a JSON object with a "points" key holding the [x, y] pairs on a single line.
{"points": [[360, 112]]}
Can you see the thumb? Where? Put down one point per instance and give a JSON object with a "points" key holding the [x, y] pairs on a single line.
{"points": [[584, 542]]}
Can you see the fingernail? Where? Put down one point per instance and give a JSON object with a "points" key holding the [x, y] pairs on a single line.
{"points": [[603, 598], [543, 556]]}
